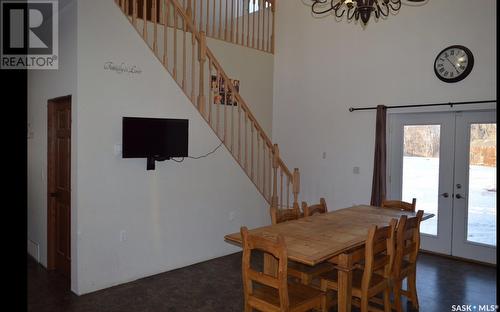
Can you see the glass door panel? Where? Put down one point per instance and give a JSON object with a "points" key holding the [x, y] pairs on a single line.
{"points": [[474, 204], [421, 167], [482, 212], [421, 170]]}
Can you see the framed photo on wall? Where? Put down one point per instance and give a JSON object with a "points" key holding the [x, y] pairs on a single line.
{"points": [[220, 95]]}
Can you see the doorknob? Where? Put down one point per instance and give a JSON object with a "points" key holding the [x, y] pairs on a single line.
{"points": [[53, 194], [458, 196], [445, 195]]}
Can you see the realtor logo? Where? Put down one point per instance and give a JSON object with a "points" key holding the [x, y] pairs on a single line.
{"points": [[29, 34]]}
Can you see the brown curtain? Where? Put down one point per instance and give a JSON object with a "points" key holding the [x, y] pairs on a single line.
{"points": [[379, 159]]}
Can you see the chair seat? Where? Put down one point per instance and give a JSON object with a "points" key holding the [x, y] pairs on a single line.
{"points": [[376, 282], [299, 295], [406, 267]]}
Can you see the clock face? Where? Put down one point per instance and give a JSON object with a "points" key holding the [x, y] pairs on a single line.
{"points": [[453, 63]]}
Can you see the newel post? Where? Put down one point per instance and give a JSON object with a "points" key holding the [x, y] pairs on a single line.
{"points": [[276, 156], [202, 57], [296, 188]]}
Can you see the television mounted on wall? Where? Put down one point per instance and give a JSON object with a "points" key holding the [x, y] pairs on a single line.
{"points": [[155, 139]]}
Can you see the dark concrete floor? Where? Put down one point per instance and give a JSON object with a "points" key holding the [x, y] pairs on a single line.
{"points": [[215, 285]]}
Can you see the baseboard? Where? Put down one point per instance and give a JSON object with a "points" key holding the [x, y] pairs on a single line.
{"points": [[34, 250], [457, 258]]}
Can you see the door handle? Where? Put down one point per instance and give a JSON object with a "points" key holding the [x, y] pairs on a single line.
{"points": [[445, 195], [53, 194], [458, 196]]}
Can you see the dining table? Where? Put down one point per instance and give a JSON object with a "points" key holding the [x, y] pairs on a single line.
{"points": [[336, 236]]}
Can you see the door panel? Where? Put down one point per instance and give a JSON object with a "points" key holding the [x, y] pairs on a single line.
{"points": [[59, 185], [474, 230], [421, 170], [421, 167]]}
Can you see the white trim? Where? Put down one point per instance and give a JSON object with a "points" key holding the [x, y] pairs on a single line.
{"points": [[436, 109], [34, 250]]}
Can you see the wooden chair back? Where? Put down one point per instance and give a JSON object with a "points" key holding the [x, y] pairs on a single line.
{"points": [[399, 204], [314, 209], [279, 215], [275, 248], [407, 241], [379, 252]]}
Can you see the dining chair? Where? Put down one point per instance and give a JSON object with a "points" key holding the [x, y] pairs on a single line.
{"points": [[279, 215], [366, 282], [405, 260], [269, 293], [314, 209], [399, 204]]}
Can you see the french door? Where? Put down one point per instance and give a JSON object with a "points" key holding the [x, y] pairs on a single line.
{"points": [[447, 161]]}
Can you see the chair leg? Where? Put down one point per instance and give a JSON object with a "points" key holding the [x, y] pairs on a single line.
{"points": [[305, 279], [324, 288], [364, 303], [323, 303], [248, 308], [387, 299], [397, 285], [412, 288]]}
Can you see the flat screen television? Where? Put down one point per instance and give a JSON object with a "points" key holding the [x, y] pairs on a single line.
{"points": [[154, 138]]}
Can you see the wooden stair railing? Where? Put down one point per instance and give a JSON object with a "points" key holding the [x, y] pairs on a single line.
{"points": [[249, 23], [182, 50]]}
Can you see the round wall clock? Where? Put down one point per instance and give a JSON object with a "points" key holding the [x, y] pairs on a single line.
{"points": [[454, 63]]}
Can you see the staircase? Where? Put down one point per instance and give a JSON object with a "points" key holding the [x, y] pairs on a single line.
{"points": [[169, 29]]}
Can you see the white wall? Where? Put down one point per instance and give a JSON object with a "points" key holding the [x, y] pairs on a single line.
{"points": [[254, 69], [42, 86], [323, 67], [174, 216]]}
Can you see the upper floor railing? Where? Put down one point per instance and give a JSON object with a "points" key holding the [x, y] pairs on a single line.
{"points": [[249, 23]]}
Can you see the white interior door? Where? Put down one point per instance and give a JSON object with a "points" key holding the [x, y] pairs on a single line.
{"points": [[475, 207], [448, 162]]}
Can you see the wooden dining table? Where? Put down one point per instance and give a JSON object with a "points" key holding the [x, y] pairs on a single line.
{"points": [[335, 236]]}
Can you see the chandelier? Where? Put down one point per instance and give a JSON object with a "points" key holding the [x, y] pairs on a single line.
{"points": [[358, 9]]}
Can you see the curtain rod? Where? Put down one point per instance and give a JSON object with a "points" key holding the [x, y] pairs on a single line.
{"points": [[351, 109]]}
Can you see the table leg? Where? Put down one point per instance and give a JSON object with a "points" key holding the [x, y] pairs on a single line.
{"points": [[270, 265], [344, 282]]}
